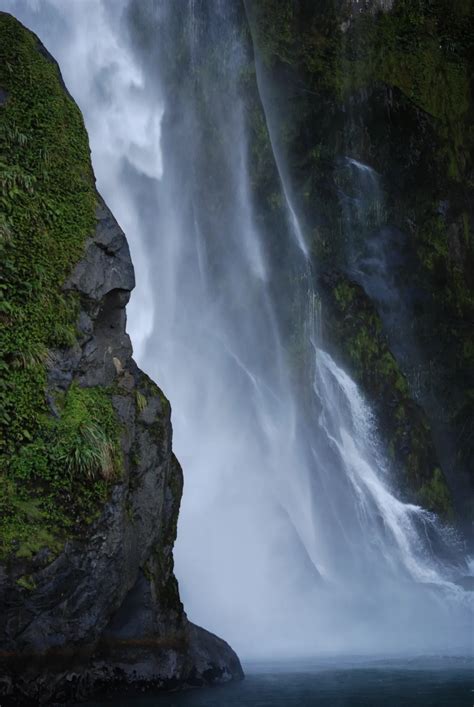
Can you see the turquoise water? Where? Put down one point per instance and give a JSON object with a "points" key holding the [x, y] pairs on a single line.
{"points": [[440, 682]]}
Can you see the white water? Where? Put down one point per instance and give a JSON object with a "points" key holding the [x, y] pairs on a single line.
{"points": [[292, 538], [347, 420]]}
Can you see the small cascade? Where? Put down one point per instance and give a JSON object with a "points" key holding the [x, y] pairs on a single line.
{"points": [[397, 534]]}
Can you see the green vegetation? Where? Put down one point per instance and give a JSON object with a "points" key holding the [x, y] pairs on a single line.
{"points": [[54, 470], [344, 294], [435, 495], [420, 47], [48, 205], [141, 401], [26, 582], [57, 483]]}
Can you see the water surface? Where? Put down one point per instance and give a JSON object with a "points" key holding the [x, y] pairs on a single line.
{"points": [[433, 682]]}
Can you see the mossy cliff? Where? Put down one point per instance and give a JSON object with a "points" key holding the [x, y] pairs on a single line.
{"points": [[372, 109], [90, 489]]}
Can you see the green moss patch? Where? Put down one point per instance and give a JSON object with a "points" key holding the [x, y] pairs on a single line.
{"points": [[421, 47], [57, 483], [435, 494], [54, 471], [48, 201]]}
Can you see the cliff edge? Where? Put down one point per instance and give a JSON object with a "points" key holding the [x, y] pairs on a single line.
{"points": [[89, 486]]}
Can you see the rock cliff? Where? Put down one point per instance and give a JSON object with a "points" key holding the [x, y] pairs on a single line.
{"points": [[90, 488], [371, 107]]}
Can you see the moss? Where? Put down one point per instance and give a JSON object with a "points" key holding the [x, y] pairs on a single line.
{"points": [[141, 401], [55, 471], [389, 368], [422, 49], [57, 483], [435, 495], [152, 390], [27, 582], [277, 31], [343, 294], [48, 203]]}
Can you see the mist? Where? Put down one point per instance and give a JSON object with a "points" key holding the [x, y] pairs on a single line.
{"points": [[293, 539]]}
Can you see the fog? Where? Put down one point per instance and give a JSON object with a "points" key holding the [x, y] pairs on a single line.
{"points": [[292, 539]]}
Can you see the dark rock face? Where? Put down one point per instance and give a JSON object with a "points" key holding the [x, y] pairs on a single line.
{"points": [[106, 613], [378, 152]]}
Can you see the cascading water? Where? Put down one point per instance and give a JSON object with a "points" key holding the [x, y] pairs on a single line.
{"points": [[292, 537]]}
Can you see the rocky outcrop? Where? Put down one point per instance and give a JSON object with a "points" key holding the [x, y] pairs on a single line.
{"points": [[98, 609]]}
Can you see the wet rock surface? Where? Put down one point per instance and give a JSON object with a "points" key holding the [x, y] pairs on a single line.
{"points": [[378, 152]]}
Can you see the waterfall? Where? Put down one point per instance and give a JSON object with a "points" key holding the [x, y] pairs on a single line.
{"points": [[293, 538], [384, 520]]}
